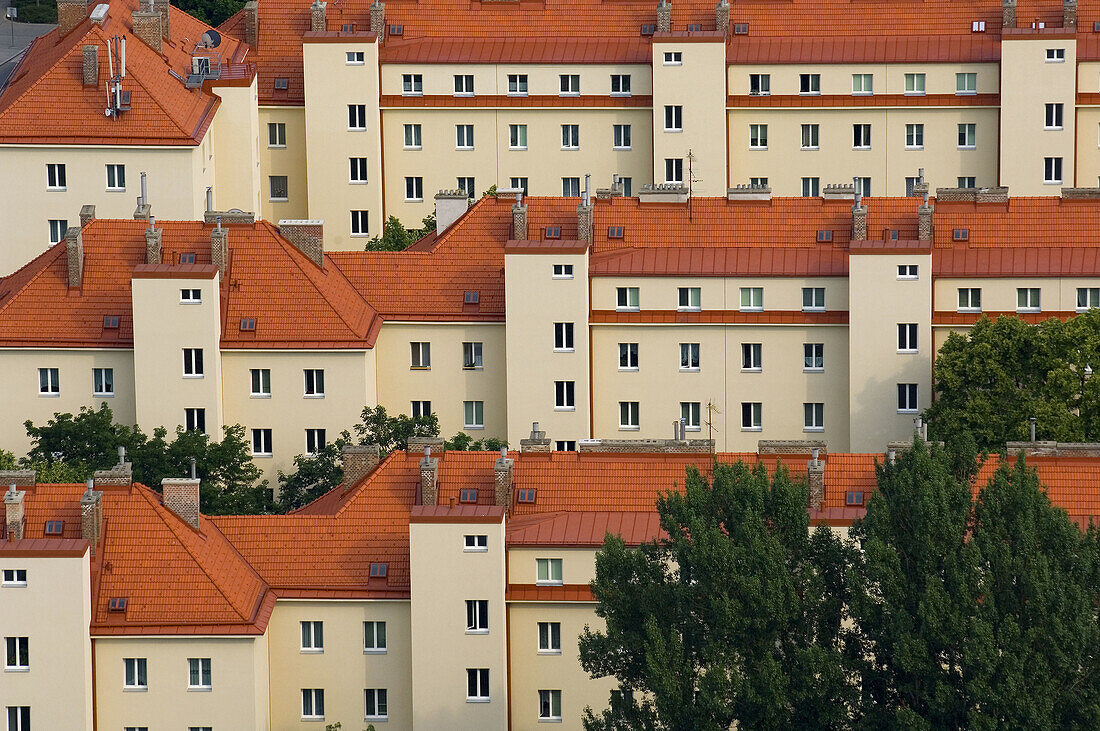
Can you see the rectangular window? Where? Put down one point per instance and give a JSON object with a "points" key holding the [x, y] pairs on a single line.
{"points": [[690, 415], [760, 84], [194, 420], [570, 137], [620, 84], [689, 298], [565, 445], [357, 117], [15, 578], [464, 85], [1056, 55], [472, 355], [517, 137], [627, 185], [863, 83], [198, 673], [1054, 113], [477, 685], [907, 398], [550, 637], [966, 83], [518, 183], [192, 363], [261, 382], [965, 182], [563, 336], [466, 185], [315, 382], [313, 704], [477, 616], [914, 136], [811, 187], [1027, 299], [277, 187], [412, 84], [752, 298], [564, 395], [103, 381], [421, 409], [19, 718], [375, 704], [628, 356], [810, 137], [413, 138], [967, 136], [55, 176], [758, 136], [49, 381], [548, 571], [752, 356], [1052, 170], [621, 136], [354, 58], [861, 136], [907, 271], [135, 673], [313, 636], [914, 83], [549, 705], [464, 136], [414, 188], [674, 169], [628, 415], [674, 58], [360, 223], [569, 84], [190, 296], [421, 355], [863, 186], [674, 118], [809, 83], [58, 228], [517, 84], [1087, 298], [475, 544], [563, 271], [357, 170], [276, 134], [374, 637], [689, 356], [970, 299], [17, 655], [813, 299], [473, 414], [813, 418], [626, 298], [261, 442], [907, 337], [758, 182], [813, 357], [116, 177], [751, 416]]}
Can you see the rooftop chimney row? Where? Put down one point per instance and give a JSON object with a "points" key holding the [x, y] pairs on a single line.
{"points": [[181, 496], [14, 517], [74, 248]]}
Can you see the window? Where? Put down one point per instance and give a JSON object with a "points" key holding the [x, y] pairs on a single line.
{"points": [[313, 636], [357, 170], [863, 186], [674, 118], [466, 185], [276, 133], [758, 136], [1027, 299], [570, 187], [1054, 116], [966, 182], [563, 336], [464, 136], [116, 177], [907, 271], [760, 84], [315, 440], [192, 363], [674, 170], [752, 298], [15, 577], [626, 298], [55, 176], [967, 136], [1087, 297], [477, 616], [689, 298], [620, 84], [628, 415], [198, 673], [464, 85], [359, 223], [690, 414], [966, 83], [413, 139], [277, 187], [627, 185], [970, 299], [194, 420], [751, 416], [811, 187], [472, 355], [282, 82], [564, 396], [476, 543], [375, 707], [1056, 55], [517, 140], [960, 234], [907, 337], [810, 137], [19, 718], [550, 637], [261, 382], [813, 418], [563, 271], [313, 703], [477, 685], [628, 356], [315, 382], [861, 136], [58, 228], [190, 296], [910, 186], [517, 84], [421, 409], [135, 673], [674, 58], [421, 355], [758, 182], [374, 637], [565, 445], [261, 442], [570, 84], [863, 83], [17, 656], [49, 381], [473, 414], [813, 299], [752, 356], [621, 136], [689, 356], [914, 136], [809, 83], [570, 137], [357, 117], [412, 84], [813, 357], [907, 398], [103, 381], [1052, 170], [354, 58], [549, 705], [414, 188], [914, 83], [520, 183], [548, 571]]}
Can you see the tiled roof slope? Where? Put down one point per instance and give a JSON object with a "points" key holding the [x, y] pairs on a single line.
{"points": [[163, 111], [295, 303]]}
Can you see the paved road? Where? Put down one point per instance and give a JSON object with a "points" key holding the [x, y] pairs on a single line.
{"points": [[14, 37]]}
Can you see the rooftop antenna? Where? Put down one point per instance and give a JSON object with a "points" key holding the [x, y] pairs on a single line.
{"points": [[712, 408], [585, 198], [690, 181]]}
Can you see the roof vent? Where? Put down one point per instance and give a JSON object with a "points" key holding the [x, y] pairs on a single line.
{"points": [[649, 29], [978, 26], [281, 82], [740, 29], [248, 324], [824, 236], [397, 30], [614, 232], [117, 604], [960, 234], [378, 570], [110, 322], [99, 13], [553, 232], [526, 495], [467, 495], [471, 298], [54, 527], [853, 499]]}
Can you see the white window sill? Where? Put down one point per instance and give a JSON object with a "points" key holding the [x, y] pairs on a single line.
{"points": [[758, 147], [278, 200], [626, 309], [752, 428], [360, 236], [570, 148], [813, 309], [351, 182], [673, 63], [518, 149], [863, 93], [199, 689], [972, 309], [752, 309], [116, 190], [477, 631], [312, 650], [1052, 182], [562, 276], [412, 93], [55, 190], [376, 719], [517, 93], [914, 147], [693, 428], [414, 200], [629, 428], [103, 395], [313, 395], [550, 652], [861, 148], [752, 370], [355, 63], [1055, 60], [357, 129], [674, 130], [195, 376], [190, 302], [689, 370], [809, 93], [689, 309], [914, 93], [628, 369], [259, 395], [569, 93], [478, 549], [374, 651], [548, 583], [412, 147], [565, 350], [320, 719], [619, 148], [1053, 129], [908, 279], [49, 395], [14, 585], [473, 368], [17, 669], [813, 370], [565, 408], [463, 93], [135, 689], [908, 352], [476, 700], [813, 428], [549, 720], [263, 455], [1022, 310], [814, 147], [465, 148], [965, 92], [907, 411], [473, 426], [967, 147], [620, 93]]}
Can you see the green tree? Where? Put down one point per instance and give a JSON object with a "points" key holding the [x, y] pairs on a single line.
{"points": [[463, 442], [313, 476], [211, 12], [393, 432], [395, 237], [91, 437], [735, 616]]}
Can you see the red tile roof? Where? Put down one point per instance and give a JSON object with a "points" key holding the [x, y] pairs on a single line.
{"points": [[577, 528]]}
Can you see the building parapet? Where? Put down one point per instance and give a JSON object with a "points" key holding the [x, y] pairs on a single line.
{"points": [[635, 446]]}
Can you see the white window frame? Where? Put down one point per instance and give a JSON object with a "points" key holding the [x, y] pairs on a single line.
{"points": [[811, 136], [14, 578], [103, 385], [1052, 171], [379, 641], [565, 395], [59, 227], [354, 58], [967, 135], [314, 695], [763, 84], [113, 170], [552, 577], [548, 644], [674, 58], [477, 616], [19, 647], [811, 187], [914, 136], [812, 354], [420, 357], [810, 413], [914, 84], [863, 84], [357, 170], [755, 296], [56, 178], [473, 355], [550, 706], [629, 416], [1091, 297], [562, 271], [464, 84], [192, 415], [412, 85], [816, 297], [674, 118], [752, 357], [380, 698], [261, 442], [907, 398], [755, 414], [135, 671], [569, 84], [1025, 293], [414, 136], [908, 271], [51, 385], [271, 188], [259, 382], [193, 363], [690, 354], [480, 685], [622, 81], [517, 84], [360, 223], [969, 299], [310, 389], [620, 137], [517, 137], [627, 299], [202, 665], [464, 137], [316, 440], [689, 299], [473, 414], [691, 414], [475, 543], [190, 296], [908, 337], [276, 135], [966, 83], [312, 632], [628, 357], [414, 188], [357, 117], [1054, 116], [861, 136], [563, 337], [1056, 55], [570, 137], [758, 136], [674, 170], [809, 84]]}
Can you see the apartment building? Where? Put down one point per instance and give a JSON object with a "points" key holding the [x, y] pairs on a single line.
{"points": [[436, 589]]}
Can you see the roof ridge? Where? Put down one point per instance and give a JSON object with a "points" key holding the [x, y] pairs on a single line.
{"points": [[362, 484]]}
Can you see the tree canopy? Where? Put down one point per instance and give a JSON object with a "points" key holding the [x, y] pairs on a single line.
{"points": [[395, 237]]}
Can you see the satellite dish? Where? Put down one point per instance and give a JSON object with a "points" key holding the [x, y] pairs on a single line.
{"points": [[211, 39]]}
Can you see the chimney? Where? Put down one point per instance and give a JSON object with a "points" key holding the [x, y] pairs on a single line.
{"points": [[318, 23], [815, 478], [1031, 427], [502, 469], [74, 246], [429, 478], [13, 512], [152, 242], [87, 214], [584, 221], [181, 496], [1008, 13], [664, 16], [161, 6], [209, 198], [307, 235], [378, 20], [859, 215], [91, 517], [449, 207], [141, 213], [537, 442], [91, 65], [924, 220], [1069, 14], [219, 246], [251, 23], [147, 26], [70, 13], [921, 186], [359, 461], [519, 219], [722, 17]]}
